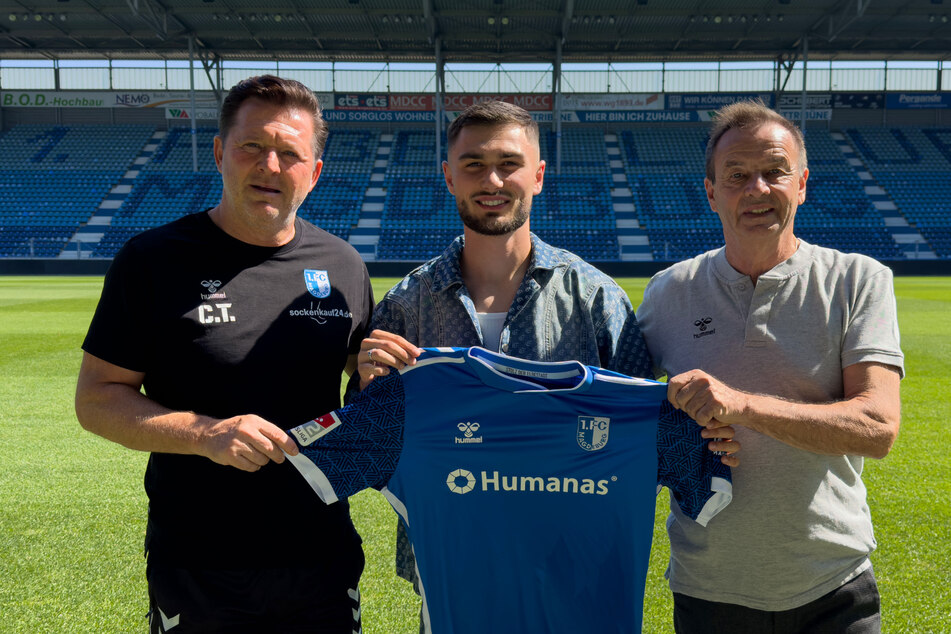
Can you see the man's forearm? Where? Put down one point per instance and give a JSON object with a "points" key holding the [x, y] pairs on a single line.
{"points": [[853, 427], [125, 416], [865, 422]]}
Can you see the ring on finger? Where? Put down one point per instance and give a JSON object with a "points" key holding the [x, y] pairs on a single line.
{"points": [[370, 354]]}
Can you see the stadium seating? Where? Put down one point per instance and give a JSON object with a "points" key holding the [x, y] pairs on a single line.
{"points": [[419, 218], [167, 188], [913, 165], [673, 208], [413, 154], [582, 153], [54, 179], [575, 213], [62, 148]]}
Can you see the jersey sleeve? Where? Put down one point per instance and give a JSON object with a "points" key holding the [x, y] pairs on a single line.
{"points": [[355, 447], [700, 484]]}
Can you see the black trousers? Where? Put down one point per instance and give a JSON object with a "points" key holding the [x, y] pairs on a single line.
{"points": [[186, 601], [853, 608]]}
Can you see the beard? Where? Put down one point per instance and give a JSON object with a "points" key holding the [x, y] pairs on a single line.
{"points": [[493, 225]]}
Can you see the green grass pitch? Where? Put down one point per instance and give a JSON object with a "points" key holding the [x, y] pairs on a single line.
{"points": [[72, 508]]}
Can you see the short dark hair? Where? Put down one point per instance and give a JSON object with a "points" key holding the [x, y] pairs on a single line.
{"points": [[749, 114], [493, 113], [280, 92]]}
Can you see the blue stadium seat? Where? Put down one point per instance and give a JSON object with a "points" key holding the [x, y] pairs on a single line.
{"points": [[71, 170]]}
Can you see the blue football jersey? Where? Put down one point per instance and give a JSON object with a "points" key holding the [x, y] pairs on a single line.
{"points": [[527, 489]]}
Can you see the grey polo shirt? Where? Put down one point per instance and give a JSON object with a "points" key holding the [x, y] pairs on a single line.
{"points": [[799, 525]]}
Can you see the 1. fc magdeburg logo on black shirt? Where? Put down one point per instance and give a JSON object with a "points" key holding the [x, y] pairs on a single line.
{"points": [[318, 283]]}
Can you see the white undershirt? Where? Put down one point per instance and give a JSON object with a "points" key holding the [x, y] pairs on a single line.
{"points": [[491, 325]]}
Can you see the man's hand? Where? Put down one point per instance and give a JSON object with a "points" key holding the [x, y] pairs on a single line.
{"points": [[722, 443], [246, 442], [714, 405], [381, 351], [708, 401]]}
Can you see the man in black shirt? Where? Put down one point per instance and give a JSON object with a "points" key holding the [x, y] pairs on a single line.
{"points": [[237, 322]]}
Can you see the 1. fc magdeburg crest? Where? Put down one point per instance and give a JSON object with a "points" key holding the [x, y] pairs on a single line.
{"points": [[318, 283], [593, 432]]}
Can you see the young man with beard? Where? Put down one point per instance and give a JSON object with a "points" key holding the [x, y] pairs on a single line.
{"points": [[498, 285]]}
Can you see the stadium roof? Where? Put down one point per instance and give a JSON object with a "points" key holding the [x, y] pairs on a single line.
{"points": [[476, 30]]}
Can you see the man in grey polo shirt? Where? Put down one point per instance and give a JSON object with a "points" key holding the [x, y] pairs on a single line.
{"points": [[796, 346]]}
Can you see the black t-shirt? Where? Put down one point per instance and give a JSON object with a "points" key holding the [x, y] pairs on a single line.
{"points": [[223, 328]]}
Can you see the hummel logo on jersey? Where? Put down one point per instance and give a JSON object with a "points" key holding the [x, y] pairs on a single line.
{"points": [[702, 324], [218, 312], [462, 481], [468, 430], [212, 287], [593, 432]]}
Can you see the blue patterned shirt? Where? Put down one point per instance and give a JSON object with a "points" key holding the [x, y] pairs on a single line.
{"points": [[564, 310]]}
